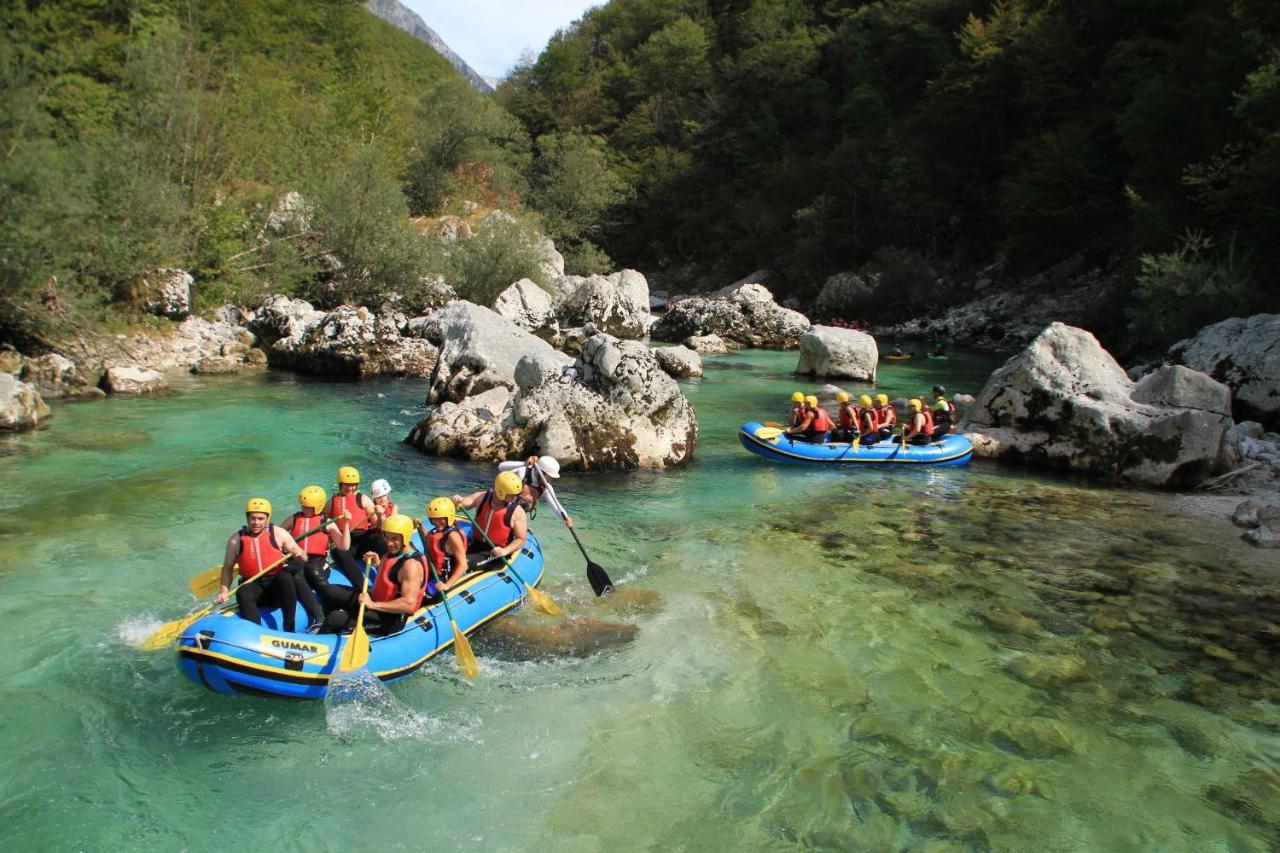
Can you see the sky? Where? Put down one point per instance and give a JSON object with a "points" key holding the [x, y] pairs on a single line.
{"points": [[491, 34]]}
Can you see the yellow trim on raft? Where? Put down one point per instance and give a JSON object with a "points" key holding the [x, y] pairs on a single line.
{"points": [[774, 448]]}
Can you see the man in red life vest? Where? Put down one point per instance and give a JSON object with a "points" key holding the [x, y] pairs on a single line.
{"points": [[500, 519], [846, 418], [446, 547], [886, 417], [397, 590], [255, 547], [920, 425], [868, 423], [313, 575], [361, 514], [817, 424]]}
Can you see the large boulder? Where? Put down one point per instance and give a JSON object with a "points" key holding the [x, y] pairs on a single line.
{"points": [[1064, 402], [527, 305], [706, 344], [168, 292], [843, 295], [128, 380], [56, 377], [1244, 354], [679, 362], [847, 353], [21, 407], [550, 259], [743, 314], [347, 342], [613, 408], [478, 350], [617, 304]]}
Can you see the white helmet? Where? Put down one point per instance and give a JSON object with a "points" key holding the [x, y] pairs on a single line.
{"points": [[549, 466], [379, 488]]}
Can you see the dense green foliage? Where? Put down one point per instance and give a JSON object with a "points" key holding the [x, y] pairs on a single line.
{"points": [[145, 133], [811, 136]]}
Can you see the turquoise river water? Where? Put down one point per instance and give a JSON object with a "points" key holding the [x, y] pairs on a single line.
{"points": [[972, 658]]}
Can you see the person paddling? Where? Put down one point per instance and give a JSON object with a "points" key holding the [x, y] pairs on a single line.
{"points": [[531, 473], [886, 417], [397, 590], [256, 547], [312, 573], [868, 424], [360, 513], [944, 412], [500, 519], [445, 545], [919, 427], [817, 425], [846, 418], [797, 414]]}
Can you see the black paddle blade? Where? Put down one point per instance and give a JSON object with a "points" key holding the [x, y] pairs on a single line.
{"points": [[599, 579]]}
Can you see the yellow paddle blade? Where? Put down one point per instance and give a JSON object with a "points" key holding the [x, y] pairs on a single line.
{"points": [[169, 632], [207, 582], [543, 602], [767, 433], [467, 664], [773, 424], [355, 653]]}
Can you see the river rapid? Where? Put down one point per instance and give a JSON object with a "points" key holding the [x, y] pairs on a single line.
{"points": [[956, 659]]}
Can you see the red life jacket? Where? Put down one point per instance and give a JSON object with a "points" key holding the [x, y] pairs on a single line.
{"points": [[867, 420], [388, 509], [797, 414], [821, 421], [351, 503], [928, 422], [315, 545], [847, 417], [386, 586], [886, 415], [496, 524], [440, 559], [257, 552]]}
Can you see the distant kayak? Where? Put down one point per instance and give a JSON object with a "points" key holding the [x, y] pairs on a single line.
{"points": [[772, 443], [903, 357], [943, 357]]}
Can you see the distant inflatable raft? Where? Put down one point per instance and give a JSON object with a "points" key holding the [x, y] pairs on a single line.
{"points": [[772, 444]]}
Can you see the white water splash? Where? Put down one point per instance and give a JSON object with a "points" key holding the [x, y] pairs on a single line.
{"points": [[135, 629], [358, 706]]}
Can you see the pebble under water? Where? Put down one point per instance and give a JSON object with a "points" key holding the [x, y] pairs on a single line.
{"points": [[797, 657]]}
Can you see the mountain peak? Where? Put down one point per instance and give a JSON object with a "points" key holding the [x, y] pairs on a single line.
{"points": [[396, 13]]}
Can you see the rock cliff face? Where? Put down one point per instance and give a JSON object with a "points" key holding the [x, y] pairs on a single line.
{"points": [[1065, 403], [743, 315], [1245, 355], [396, 13], [613, 408]]}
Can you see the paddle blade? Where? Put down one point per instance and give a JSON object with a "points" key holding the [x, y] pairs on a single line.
{"points": [[773, 424], [467, 663], [542, 602], [599, 579], [355, 654], [169, 632], [767, 433], [206, 583]]}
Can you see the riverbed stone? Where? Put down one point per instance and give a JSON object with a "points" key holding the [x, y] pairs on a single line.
{"points": [[217, 365], [1244, 354], [1262, 537], [133, 381], [577, 637], [21, 406], [706, 344], [846, 353], [57, 377], [1065, 403], [680, 362], [1044, 670], [1037, 737]]}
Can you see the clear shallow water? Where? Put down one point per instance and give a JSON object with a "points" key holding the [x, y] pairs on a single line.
{"points": [[858, 660]]}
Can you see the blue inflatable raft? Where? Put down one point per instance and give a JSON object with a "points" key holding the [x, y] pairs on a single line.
{"points": [[771, 443], [228, 654]]}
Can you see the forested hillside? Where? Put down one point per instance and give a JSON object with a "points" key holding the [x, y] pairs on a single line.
{"points": [[918, 136], [137, 134]]}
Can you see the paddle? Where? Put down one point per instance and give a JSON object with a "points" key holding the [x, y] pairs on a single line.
{"points": [[170, 631], [355, 653], [208, 581], [541, 601], [596, 576], [467, 664], [767, 433]]}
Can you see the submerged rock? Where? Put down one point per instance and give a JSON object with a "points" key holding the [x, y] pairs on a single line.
{"points": [[847, 353], [21, 407], [581, 637], [1064, 402]]}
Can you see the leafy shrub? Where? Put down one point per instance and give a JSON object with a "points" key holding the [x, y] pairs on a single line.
{"points": [[501, 251]]}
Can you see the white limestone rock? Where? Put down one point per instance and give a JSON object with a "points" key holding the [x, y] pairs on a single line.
{"points": [[679, 362], [21, 407], [846, 353], [743, 314], [168, 292], [527, 305], [133, 381], [617, 304], [706, 344], [1244, 354]]}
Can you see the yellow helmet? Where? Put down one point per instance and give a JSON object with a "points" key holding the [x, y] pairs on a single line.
{"points": [[347, 474], [399, 524], [258, 505], [882, 399], [443, 508], [507, 485], [864, 401], [797, 397], [811, 401], [916, 404], [312, 497], [842, 396]]}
